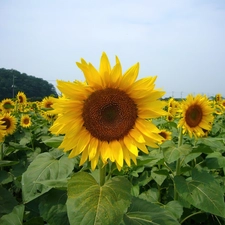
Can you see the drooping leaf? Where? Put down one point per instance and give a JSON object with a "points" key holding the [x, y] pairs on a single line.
{"points": [[151, 195], [202, 191], [89, 203], [7, 163], [142, 212], [175, 208], [15, 217], [215, 160], [44, 167]]}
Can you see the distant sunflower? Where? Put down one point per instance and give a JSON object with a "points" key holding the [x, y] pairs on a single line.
{"points": [[10, 123], [2, 130], [107, 116], [197, 115], [21, 98], [218, 98], [7, 105], [167, 135], [223, 103], [47, 102], [25, 121]]}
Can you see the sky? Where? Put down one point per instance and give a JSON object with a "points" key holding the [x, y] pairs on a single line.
{"points": [[180, 41]]}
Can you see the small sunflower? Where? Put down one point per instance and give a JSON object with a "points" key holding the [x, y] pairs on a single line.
{"points": [[197, 115], [167, 135], [218, 98], [21, 98], [107, 117], [25, 121], [2, 130], [47, 102], [10, 122], [223, 103], [7, 105]]}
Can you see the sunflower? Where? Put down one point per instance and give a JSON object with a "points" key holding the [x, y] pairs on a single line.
{"points": [[167, 135], [25, 121], [47, 102], [218, 98], [2, 130], [7, 105], [197, 115], [108, 116], [10, 122], [21, 98], [223, 104]]}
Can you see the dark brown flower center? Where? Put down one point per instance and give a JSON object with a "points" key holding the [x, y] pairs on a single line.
{"points": [[26, 121], [109, 114], [163, 134], [193, 115], [20, 99], [6, 123]]}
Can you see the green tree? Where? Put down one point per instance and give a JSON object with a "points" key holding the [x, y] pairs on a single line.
{"points": [[12, 81]]}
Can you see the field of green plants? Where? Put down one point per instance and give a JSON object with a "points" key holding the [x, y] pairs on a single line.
{"points": [[180, 182]]}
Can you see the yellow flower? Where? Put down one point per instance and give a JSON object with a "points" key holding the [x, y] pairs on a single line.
{"points": [[10, 122], [47, 102], [25, 121], [21, 98], [2, 130], [7, 105], [218, 98], [107, 117], [197, 116], [167, 135]]}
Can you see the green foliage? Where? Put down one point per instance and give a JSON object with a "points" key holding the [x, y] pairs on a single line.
{"points": [[12, 81], [179, 183]]}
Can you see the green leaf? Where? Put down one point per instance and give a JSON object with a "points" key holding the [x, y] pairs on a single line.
{"points": [[159, 175], [54, 141], [44, 167], [175, 208], [13, 218], [142, 212], [7, 201], [202, 191], [7, 163], [60, 183], [53, 207], [151, 195], [215, 160], [173, 153], [89, 203]]}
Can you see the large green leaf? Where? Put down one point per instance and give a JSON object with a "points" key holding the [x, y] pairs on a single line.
{"points": [[173, 153], [53, 207], [7, 201], [91, 204], [202, 191], [54, 141], [215, 160], [13, 218], [44, 167], [142, 212]]}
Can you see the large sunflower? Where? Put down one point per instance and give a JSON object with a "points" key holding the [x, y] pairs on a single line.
{"points": [[197, 115], [25, 121], [108, 116], [10, 122]]}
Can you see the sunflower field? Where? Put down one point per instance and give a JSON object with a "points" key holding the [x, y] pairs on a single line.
{"points": [[112, 151]]}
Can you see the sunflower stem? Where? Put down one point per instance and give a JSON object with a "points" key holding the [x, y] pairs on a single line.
{"points": [[178, 163], [102, 173], [1, 152]]}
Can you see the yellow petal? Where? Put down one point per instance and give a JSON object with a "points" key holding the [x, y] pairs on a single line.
{"points": [[92, 148], [94, 161], [129, 77], [84, 157], [130, 146], [117, 152], [136, 134]]}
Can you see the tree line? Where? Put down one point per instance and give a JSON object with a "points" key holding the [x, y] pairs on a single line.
{"points": [[12, 81]]}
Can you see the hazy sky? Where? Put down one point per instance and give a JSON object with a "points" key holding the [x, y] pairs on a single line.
{"points": [[181, 41]]}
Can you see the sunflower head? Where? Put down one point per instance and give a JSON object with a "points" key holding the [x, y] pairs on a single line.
{"points": [[197, 115], [107, 117], [47, 102], [9, 122], [7, 105], [21, 98], [2, 130], [25, 121], [218, 98], [167, 135]]}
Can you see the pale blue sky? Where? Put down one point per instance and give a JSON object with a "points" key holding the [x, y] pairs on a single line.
{"points": [[181, 41]]}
